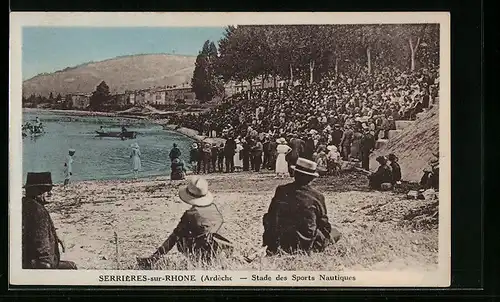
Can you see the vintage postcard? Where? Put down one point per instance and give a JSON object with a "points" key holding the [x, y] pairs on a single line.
{"points": [[230, 149]]}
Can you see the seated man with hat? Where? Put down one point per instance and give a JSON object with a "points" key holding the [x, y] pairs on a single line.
{"points": [[382, 178], [196, 234], [297, 216], [40, 243], [430, 179]]}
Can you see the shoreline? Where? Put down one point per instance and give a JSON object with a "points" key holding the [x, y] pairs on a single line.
{"points": [[87, 113], [190, 133]]}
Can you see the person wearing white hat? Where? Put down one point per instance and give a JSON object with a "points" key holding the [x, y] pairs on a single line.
{"points": [[297, 217], [197, 234], [68, 167], [135, 155]]}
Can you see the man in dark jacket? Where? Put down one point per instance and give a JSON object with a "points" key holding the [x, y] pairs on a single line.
{"points": [[257, 150], [383, 175], [367, 147], [197, 234], [297, 146], [395, 168], [220, 158], [337, 134], [346, 142], [297, 216], [174, 153], [267, 152], [271, 164], [214, 157], [40, 243], [229, 149], [309, 147]]}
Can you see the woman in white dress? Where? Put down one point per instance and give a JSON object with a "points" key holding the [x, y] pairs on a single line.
{"points": [[68, 167], [281, 165], [135, 155], [238, 162]]}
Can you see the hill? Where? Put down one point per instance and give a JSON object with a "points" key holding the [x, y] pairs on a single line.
{"points": [[414, 146], [121, 73]]}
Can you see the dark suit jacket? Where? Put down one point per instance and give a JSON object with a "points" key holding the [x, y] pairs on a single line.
{"points": [[296, 219], [40, 242]]}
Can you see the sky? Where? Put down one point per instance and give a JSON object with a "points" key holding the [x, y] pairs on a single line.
{"points": [[48, 49]]}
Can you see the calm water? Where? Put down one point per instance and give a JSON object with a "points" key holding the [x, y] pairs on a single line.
{"points": [[97, 158]]}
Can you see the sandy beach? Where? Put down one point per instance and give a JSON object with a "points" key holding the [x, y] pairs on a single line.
{"points": [[381, 231]]}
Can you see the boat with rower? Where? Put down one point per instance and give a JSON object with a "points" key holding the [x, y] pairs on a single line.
{"points": [[120, 134]]}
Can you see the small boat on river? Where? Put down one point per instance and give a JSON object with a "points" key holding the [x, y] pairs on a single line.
{"points": [[119, 134]]}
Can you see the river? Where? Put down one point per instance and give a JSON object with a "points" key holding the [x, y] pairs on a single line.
{"points": [[97, 158]]}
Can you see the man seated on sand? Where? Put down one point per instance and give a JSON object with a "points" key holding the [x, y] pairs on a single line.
{"points": [[297, 216], [382, 178], [196, 234], [40, 243], [395, 168]]}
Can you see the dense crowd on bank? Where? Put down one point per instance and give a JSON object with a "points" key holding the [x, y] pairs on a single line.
{"points": [[341, 117]]}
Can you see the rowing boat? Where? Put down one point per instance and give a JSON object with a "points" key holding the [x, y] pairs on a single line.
{"points": [[127, 134]]}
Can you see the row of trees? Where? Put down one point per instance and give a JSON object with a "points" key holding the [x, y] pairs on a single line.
{"points": [[308, 52]]}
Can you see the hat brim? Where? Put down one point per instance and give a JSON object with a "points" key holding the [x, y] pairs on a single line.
{"points": [[315, 174], [195, 201], [40, 185]]}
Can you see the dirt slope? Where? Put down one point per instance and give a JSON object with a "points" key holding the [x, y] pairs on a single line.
{"points": [[414, 146], [127, 72]]}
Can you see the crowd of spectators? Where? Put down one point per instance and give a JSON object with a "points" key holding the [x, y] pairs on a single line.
{"points": [[346, 111]]}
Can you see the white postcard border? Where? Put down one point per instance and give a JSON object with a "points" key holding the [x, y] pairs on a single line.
{"points": [[439, 278]]}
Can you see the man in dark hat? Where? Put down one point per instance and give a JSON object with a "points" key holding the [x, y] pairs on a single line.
{"points": [[40, 243], [337, 134], [383, 175], [229, 149], [297, 146], [297, 217], [174, 153], [395, 168], [367, 147], [197, 234], [430, 179], [214, 152]]}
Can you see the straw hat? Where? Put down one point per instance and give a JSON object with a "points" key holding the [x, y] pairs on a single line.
{"points": [[71, 150], [135, 146], [331, 147], [305, 166], [281, 140], [196, 192], [194, 145]]}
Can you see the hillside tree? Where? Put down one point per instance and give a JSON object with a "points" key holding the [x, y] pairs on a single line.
{"points": [[205, 82], [100, 97]]}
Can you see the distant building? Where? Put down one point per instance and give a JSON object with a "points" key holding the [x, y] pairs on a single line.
{"points": [[80, 100], [121, 99], [184, 93]]}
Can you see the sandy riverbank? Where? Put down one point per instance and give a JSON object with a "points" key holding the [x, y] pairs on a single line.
{"points": [[381, 231]]}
